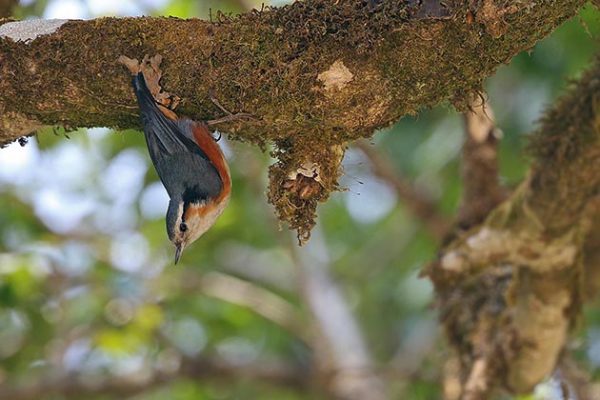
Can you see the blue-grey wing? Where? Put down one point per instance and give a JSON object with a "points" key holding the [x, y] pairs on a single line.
{"points": [[189, 176], [182, 166], [163, 135]]}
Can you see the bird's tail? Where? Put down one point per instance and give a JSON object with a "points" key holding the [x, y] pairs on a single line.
{"points": [[158, 129], [145, 99]]}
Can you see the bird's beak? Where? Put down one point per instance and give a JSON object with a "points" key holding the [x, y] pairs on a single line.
{"points": [[178, 251]]}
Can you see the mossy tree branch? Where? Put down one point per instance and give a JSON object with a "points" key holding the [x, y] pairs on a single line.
{"points": [[393, 59], [316, 73]]}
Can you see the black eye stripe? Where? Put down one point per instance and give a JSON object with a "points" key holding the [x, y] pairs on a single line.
{"points": [[183, 227]]}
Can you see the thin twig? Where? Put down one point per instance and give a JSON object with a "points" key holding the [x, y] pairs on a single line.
{"points": [[419, 202], [246, 294], [230, 118]]}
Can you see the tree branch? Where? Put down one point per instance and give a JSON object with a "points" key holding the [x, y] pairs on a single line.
{"points": [[510, 289], [316, 73], [366, 66]]}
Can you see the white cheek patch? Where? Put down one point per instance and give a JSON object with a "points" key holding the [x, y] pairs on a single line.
{"points": [[195, 228], [25, 31], [180, 212], [197, 225], [178, 233]]}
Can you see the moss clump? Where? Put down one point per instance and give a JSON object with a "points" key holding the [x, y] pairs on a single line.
{"points": [[300, 180]]}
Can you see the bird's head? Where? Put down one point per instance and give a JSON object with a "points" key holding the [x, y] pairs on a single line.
{"points": [[187, 221]]}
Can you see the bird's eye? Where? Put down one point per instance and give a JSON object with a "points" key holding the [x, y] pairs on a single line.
{"points": [[183, 227]]}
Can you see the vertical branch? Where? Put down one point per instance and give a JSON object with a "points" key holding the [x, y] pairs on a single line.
{"points": [[510, 290], [341, 354], [482, 191]]}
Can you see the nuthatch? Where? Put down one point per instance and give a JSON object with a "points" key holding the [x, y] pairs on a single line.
{"points": [[190, 165]]}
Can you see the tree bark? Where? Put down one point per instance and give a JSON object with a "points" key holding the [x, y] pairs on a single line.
{"points": [[314, 71]]}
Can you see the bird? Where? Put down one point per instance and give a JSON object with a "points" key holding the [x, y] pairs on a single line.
{"points": [[190, 165]]}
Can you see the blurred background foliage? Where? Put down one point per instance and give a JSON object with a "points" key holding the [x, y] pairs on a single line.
{"points": [[87, 286]]}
